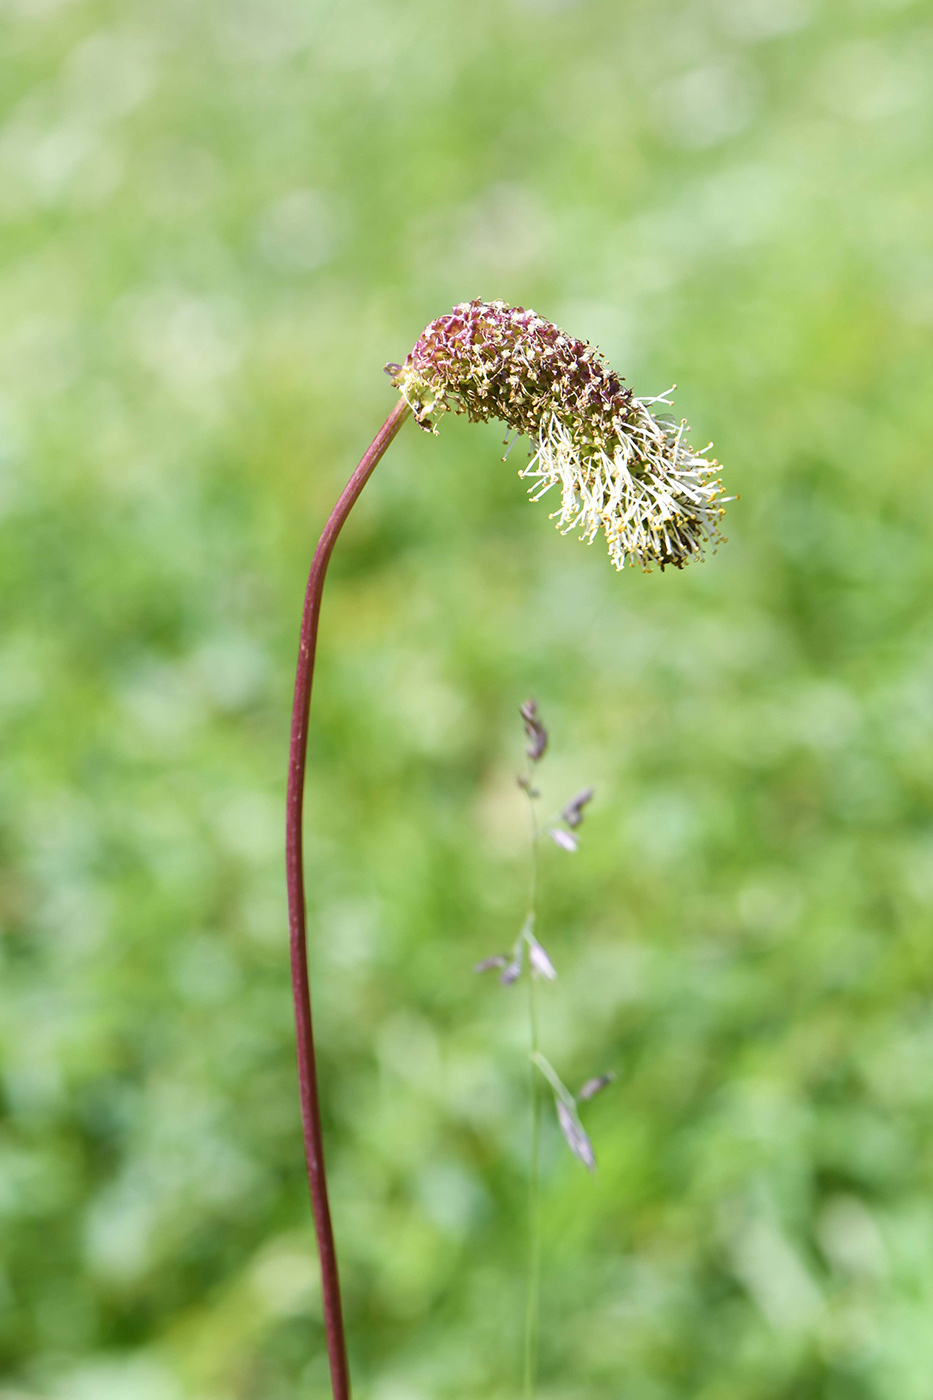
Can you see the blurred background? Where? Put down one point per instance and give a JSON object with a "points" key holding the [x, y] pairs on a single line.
{"points": [[218, 220]]}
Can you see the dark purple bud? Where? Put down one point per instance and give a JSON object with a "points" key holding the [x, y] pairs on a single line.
{"points": [[573, 812], [511, 972], [487, 965], [562, 838], [535, 731], [574, 1135], [592, 1087], [526, 786]]}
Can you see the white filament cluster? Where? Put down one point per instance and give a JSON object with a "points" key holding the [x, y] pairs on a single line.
{"points": [[654, 497]]}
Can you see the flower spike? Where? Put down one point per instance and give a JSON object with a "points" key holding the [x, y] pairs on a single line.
{"points": [[618, 466]]}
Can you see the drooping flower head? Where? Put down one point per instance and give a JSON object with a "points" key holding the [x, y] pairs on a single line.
{"points": [[618, 466]]}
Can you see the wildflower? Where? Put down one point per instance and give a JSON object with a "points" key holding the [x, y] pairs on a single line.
{"points": [[567, 1115], [573, 812], [575, 1135], [512, 970], [618, 467], [541, 964], [535, 732], [592, 1087], [498, 960]]}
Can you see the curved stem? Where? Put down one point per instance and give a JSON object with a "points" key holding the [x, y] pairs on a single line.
{"points": [[307, 1073]]}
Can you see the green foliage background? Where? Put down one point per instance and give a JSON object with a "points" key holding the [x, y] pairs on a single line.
{"points": [[217, 221]]}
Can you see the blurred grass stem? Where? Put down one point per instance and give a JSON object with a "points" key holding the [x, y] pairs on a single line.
{"points": [[534, 1205], [307, 1072]]}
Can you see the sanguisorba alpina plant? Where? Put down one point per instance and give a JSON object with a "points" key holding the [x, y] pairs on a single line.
{"points": [[620, 469]]}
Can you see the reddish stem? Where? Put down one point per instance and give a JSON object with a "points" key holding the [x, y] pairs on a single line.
{"points": [[307, 1073]]}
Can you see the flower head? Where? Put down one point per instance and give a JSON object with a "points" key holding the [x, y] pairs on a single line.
{"points": [[618, 467]]}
